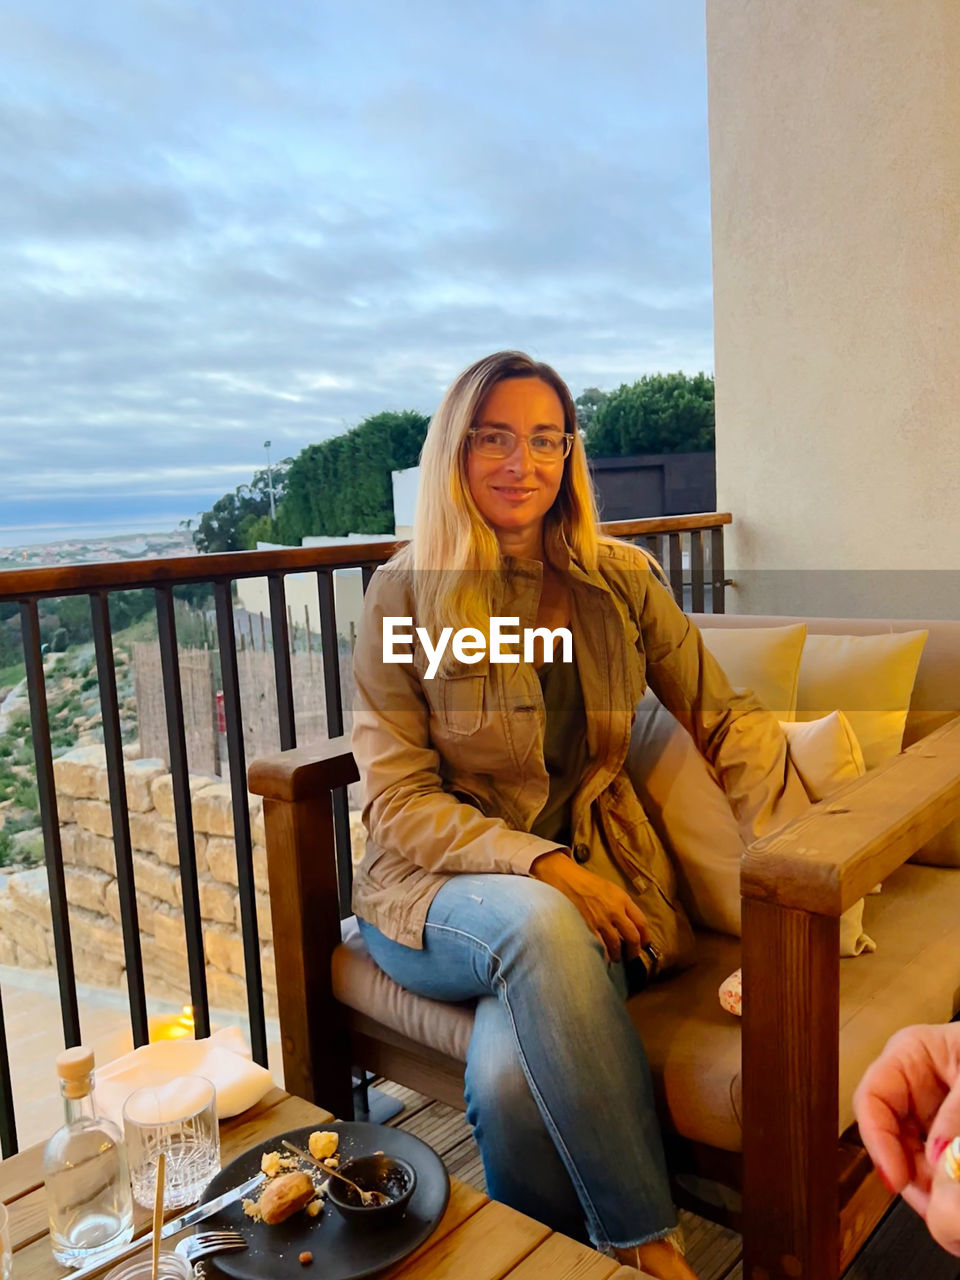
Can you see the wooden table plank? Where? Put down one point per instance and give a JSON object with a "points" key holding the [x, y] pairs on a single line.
{"points": [[486, 1247], [249, 1130], [560, 1258], [21, 1174], [464, 1202]]}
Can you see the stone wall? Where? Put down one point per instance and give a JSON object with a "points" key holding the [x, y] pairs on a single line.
{"points": [[86, 834]]}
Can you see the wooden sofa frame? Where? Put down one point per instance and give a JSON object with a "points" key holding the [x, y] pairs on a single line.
{"points": [[809, 1200]]}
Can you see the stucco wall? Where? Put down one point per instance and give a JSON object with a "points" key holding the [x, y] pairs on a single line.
{"points": [[836, 227]]}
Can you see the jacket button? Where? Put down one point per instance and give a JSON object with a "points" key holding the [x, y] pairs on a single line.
{"points": [[581, 853]]}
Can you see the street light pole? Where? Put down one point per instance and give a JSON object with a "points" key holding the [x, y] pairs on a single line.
{"points": [[273, 510]]}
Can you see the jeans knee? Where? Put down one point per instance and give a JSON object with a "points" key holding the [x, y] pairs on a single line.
{"points": [[550, 925], [497, 1094]]}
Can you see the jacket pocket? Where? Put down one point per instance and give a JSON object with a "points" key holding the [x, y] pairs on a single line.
{"points": [[461, 704]]}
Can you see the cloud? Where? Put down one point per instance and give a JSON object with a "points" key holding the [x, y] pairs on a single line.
{"points": [[227, 223]]}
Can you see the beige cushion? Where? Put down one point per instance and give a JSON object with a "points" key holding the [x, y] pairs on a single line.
{"points": [[826, 753], [936, 692], [869, 678], [943, 850], [690, 813], [763, 660], [361, 985], [692, 1044]]}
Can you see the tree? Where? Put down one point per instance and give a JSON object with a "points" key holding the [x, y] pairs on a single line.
{"points": [[662, 413], [588, 404], [229, 521], [343, 485]]}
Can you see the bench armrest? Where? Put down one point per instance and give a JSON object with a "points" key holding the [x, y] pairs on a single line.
{"points": [[828, 858], [303, 771], [297, 788]]}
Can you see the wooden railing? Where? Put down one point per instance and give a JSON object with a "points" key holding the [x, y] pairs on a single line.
{"points": [[690, 548]]}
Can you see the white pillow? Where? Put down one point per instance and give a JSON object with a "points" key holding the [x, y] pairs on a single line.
{"points": [[825, 752]]}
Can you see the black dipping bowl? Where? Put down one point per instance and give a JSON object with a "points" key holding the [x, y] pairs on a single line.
{"points": [[389, 1174]]}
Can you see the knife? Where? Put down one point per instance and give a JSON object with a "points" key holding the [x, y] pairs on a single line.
{"points": [[172, 1227]]}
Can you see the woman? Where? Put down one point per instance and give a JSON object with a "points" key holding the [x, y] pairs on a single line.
{"points": [[908, 1108], [509, 860]]}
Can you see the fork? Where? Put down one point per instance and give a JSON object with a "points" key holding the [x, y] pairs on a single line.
{"points": [[205, 1243]]}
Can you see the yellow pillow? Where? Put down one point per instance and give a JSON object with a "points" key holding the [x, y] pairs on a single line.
{"points": [[763, 660], [870, 679]]}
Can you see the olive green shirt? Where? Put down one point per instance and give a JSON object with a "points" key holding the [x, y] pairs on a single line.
{"points": [[565, 752]]}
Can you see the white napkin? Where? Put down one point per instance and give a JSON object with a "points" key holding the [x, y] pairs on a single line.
{"points": [[223, 1058]]}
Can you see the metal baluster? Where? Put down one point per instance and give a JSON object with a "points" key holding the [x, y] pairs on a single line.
{"points": [[50, 821], [8, 1122], [333, 695], [696, 570], [183, 808], [718, 583], [119, 816], [676, 568], [281, 661], [241, 819]]}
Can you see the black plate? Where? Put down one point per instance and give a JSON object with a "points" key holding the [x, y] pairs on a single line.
{"points": [[341, 1250]]}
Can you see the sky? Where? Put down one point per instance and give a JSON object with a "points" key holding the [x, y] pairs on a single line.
{"points": [[228, 221]]}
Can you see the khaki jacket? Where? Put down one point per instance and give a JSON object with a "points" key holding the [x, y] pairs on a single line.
{"points": [[452, 767]]}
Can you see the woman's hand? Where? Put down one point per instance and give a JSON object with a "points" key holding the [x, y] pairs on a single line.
{"points": [[908, 1109], [610, 913]]}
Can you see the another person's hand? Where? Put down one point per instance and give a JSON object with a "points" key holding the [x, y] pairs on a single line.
{"points": [[610, 912], [908, 1108]]}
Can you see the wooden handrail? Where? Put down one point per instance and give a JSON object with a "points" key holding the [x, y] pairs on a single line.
{"points": [[64, 580], [667, 524], [130, 574]]}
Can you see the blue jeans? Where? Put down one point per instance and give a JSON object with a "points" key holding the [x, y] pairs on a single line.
{"points": [[557, 1083]]}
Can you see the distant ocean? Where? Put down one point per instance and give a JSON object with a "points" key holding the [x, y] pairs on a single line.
{"points": [[31, 535]]}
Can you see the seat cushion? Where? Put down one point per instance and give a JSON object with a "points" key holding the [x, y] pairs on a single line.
{"points": [[360, 985], [693, 1045]]}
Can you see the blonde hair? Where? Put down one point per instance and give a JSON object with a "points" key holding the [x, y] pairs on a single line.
{"points": [[454, 551]]}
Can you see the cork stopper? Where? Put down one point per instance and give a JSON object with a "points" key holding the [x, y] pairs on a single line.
{"points": [[74, 1067]]}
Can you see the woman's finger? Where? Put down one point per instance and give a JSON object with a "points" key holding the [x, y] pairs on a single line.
{"points": [[945, 1126], [628, 930], [640, 920], [612, 940], [879, 1104], [943, 1210]]}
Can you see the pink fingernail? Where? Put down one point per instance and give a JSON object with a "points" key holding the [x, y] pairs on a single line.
{"points": [[938, 1148]]}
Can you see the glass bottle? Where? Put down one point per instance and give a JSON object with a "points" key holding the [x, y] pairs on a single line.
{"points": [[85, 1171]]}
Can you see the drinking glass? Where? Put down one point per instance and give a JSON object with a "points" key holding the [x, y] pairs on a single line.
{"points": [[6, 1255], [178, 1118]]}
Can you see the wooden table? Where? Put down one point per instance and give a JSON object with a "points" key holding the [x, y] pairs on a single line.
{"points": [[477, 1237]]}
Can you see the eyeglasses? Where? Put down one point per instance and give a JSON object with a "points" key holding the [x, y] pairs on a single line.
{"points": [[498, 442]]}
